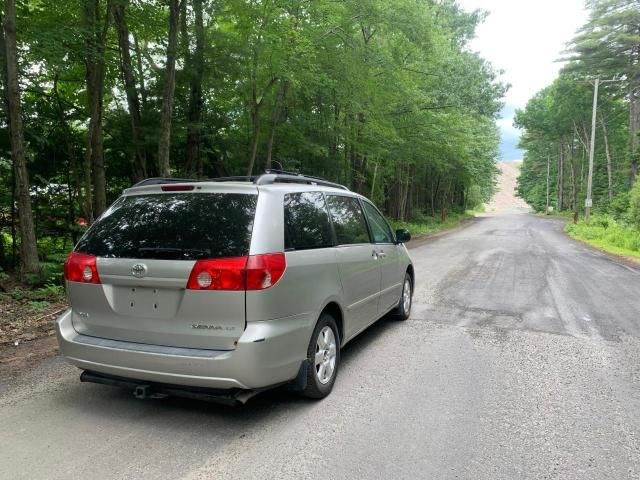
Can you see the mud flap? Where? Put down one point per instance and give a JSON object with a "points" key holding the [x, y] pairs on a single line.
{"points": [[300, 382]]}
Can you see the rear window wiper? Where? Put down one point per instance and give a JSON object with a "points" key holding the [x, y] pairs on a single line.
{"points": [[178, 252]]}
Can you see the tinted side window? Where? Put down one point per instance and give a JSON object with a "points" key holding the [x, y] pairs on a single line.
{"points": [[306, 221], [183, 226], [379, 226], [348, 220]]}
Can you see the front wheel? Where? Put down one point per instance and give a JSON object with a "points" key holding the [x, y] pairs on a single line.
{"points": [[404, 306], [323, 358]]}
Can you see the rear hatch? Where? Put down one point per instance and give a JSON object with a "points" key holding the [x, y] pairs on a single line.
{"points": [[143, 251]]}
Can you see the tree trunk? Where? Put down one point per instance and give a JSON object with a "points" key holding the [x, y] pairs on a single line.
{"points": [[143, 90], [561, 177], [194, 126], [373, 182], [333, 148], [3, 258], [275, 118], [73, 172], [609, 160], [28, 249], [434, 195], [634, 124], [548, 177], [574, 185], [14, 214], [164, 143], [255, 106], [95, 73], [358, 160], [139, 160], [255, 135]]}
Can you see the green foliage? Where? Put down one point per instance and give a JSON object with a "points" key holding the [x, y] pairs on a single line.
{"points": [[607, 233], [425, 224], [50, 274], [384, 96], [634, 205], [475, 196], [556, 125], [619, 206], [39, 305], [609, 39], [47, 293], [557, 121]]}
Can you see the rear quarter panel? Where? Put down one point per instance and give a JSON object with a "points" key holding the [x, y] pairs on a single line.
{"points": [[311, 279]]}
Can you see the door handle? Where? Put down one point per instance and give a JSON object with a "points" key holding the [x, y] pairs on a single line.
{"points": [[381, 254]]}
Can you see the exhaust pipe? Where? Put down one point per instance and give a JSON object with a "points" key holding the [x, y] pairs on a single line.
{"points": [[144, 391]]}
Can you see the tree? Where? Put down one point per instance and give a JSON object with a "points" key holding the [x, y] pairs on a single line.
{"points": [[634, 204], [382, 95], [556, 124], [164, 168], [609, 45], [97, 26], [139, 159], [195, 66], [9, 60]]}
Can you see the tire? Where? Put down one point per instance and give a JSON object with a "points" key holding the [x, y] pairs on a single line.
{"points": [[403, 311], [321, 374]]}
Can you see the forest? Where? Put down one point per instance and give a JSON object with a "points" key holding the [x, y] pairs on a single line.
{"points": [[557, 128], [384, 96]]}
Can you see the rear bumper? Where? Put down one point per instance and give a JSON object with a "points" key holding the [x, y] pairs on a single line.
{"points": [[268, 353]]}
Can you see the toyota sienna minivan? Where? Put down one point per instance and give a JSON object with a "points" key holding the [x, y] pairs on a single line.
{"points": [[222, 288]]}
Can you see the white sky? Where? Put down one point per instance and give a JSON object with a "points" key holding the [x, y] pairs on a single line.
{"points": [[524, 38]]}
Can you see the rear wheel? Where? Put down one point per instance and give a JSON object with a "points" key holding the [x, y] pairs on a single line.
{"points": [[404, 307], [323, 357]]}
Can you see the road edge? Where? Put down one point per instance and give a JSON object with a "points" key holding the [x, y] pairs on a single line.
{"points": [[424, 238], [615, 257]]}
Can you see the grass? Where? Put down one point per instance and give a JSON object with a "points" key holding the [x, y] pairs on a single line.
{"points": [[28, 313], [564, 214], [427, 224], [607, 234]]}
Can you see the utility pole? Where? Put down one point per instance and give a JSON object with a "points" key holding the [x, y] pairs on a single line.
{"points": [[588, 203]]}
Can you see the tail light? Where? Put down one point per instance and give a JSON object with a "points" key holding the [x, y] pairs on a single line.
{"points": [[218, 274], [81, 268], [264, 271], [256, 272]]}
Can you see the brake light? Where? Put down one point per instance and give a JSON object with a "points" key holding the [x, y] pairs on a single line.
{"points": [[176, 188], [79, 267], [218, 274], [264, 271], [256, 272]]}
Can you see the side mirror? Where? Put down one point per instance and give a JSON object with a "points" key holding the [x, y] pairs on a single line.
{"points": [[403, 235]]}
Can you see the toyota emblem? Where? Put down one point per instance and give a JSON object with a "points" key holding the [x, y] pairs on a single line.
{"points": [[139, 270]]}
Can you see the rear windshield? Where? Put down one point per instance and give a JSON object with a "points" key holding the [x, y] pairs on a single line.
{"points": [[173, 226]]}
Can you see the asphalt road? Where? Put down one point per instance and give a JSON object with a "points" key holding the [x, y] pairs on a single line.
{"points": [[521, 360]]}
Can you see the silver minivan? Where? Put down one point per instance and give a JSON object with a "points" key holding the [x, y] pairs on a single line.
{"points": [[222, 288]]}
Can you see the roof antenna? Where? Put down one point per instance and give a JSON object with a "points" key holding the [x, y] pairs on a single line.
{"points": [[279, 164]]}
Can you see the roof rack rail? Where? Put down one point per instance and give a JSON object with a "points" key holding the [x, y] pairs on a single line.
{"points": [[162, 180], [281, 176], [235, 178], [268, 178]]}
